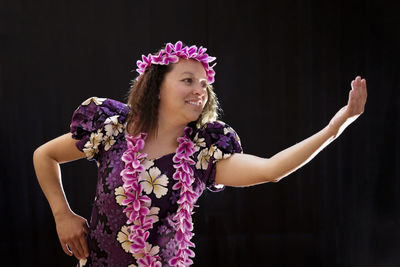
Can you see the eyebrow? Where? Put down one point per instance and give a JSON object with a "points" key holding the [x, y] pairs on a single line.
{"points": [[191, 74], [187, 72]]}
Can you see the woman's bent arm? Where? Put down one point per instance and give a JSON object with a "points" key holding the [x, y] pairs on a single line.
{"points": [[71, 228]]}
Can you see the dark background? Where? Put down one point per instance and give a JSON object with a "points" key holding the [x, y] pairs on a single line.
{"points": [[284, 69]]}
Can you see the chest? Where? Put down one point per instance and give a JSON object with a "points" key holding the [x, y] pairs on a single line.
{"points": [[156, 150], [156, 179]]}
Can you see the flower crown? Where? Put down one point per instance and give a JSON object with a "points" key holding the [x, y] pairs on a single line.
{"points": [[171, 54]]}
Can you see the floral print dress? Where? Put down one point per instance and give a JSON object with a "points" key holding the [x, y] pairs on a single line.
{"points": [[99, 126]]}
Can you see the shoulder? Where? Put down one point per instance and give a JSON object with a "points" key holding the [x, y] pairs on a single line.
{"points": [[94, 112], [107, 106], [218, 134], [213, 141], [97, 123]]}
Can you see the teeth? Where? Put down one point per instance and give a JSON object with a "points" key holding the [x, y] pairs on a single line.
{"points": [[194, 103]]}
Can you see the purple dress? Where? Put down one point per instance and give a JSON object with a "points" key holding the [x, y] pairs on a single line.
{"points": [[99, 125]]}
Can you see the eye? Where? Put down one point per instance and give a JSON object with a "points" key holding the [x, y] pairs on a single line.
{"points": [[187, 80], [204, 84]]}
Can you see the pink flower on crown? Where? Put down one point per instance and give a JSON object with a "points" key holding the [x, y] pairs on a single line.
{"points": [[171, 54]]}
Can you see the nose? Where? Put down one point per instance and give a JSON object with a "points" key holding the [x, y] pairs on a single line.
{"points": [[200, 89]]}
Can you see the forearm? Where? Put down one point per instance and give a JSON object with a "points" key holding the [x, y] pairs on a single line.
{"points": [[294, 157], [246, 170], [49, 176]]}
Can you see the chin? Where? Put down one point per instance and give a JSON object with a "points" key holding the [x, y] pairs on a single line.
{"points": [[192, 117]]}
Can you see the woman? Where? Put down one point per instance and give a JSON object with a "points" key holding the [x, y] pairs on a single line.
{"points": [[155, 157]]}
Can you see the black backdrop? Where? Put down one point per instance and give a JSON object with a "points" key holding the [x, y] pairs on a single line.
{"points": [[284, 68]]}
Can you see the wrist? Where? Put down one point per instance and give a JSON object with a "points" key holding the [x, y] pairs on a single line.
{"points": [[61, 212], [332, 130]]}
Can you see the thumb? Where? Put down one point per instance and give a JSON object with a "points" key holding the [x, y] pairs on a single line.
{"points": [[85, 226]]}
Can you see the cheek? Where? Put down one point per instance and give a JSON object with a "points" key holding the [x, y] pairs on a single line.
{"points": [[172, 97]]}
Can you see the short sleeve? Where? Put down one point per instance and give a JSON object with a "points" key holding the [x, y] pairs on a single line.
{"points": [[96, 123], [213, 142]]}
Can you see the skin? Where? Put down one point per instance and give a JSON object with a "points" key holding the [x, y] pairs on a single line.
{"points": [[185, 83]]}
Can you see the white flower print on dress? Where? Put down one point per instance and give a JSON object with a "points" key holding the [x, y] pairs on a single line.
{"points": [[153, 181], [204, 157], [153, 214], [91, 146], [122, 237], [96, 138], [82, 262], [97, 100], [112, 126], [147, 164], [230, 130], [89, 151], [219, 155], [199, 142], [153, 250], [119, 195], [108, 142]]}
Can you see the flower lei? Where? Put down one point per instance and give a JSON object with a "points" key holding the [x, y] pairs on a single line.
{"points": [[137, 204], [171, 54]]}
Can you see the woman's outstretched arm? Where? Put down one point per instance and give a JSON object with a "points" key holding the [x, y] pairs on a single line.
{"points": [[71, 228], [246, 170]]}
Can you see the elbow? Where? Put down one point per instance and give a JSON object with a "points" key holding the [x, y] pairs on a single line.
{"points": [[275, 177], [272, 179], [37, 154], [40, 154], [275, 180], [271, 171]]}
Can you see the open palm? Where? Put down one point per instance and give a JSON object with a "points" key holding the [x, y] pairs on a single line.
{"points": [[354, 108]]}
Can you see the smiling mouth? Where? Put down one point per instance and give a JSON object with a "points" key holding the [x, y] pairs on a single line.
{"points": [[194, 103]]}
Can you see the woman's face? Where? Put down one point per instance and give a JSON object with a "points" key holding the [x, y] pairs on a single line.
{"points": [[183, 93]]}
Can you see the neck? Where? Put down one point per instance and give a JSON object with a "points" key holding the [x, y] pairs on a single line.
{"points": [[168, 130]]}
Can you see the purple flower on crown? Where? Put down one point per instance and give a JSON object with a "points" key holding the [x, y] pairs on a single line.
{"points": [[171, 54]]}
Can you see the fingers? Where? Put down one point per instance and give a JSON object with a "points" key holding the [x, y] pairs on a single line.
{"points": [[77, 245], [66, 249], [82, 240], [72, 230], [359, 88], [79, 251], [86, 227], [356, 83], [357, 96], [364, 87], [359, 84], [78, 248], [85, 250], [72, 248]]}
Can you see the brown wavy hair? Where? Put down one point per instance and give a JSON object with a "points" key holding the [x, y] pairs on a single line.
{"points": [[144, 102]]}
